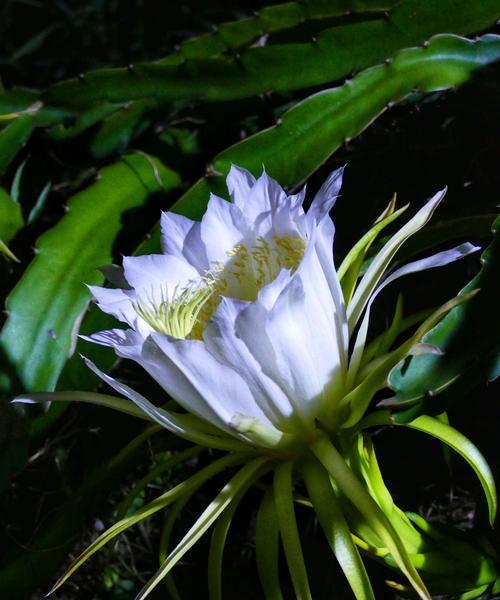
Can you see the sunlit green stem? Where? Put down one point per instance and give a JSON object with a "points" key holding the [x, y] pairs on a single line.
{"points": [[166, 537], [362, 460], [333, 523], [283, 497], [452, 438], [267, 539], [218, 542], [354, 490]]}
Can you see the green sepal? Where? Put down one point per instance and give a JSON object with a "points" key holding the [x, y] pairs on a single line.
{"points": [[146, 511], [468, 337], [454, 439], [350, 268], [267, 539], [245, 477], [355, 491], [283, 498], [332, 521]]}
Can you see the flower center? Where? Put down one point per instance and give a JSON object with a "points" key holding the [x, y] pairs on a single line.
{"points": [[184, 313], [181, 314], [250, 268]]}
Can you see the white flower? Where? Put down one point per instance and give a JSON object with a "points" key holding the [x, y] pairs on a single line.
{"points": [[246, 323], [242, 319]]}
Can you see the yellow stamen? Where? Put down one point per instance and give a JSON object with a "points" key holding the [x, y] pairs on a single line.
{"points": [[253, 267], [179, 314]]}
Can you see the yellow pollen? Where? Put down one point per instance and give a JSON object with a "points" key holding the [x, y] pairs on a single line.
{"points": [[252, 267]]}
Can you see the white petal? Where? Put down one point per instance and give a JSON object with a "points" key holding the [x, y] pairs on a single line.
{"points": [[160, 416], [296, 345], [115, 302], [269, 293], [151, 275], [174, 229], [217, 392], [181, 237], [281, 222], [267, 193], [127, 343], [223, 226], [439, 259], [303, 323], [172, 379], [327, 195], [295, 201], [322, 238], [239, 183], [265, 199], [271, 403]]}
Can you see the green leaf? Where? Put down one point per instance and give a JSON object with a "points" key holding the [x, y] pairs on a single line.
{"points": [[450, 436], [267, 539], [473, 227], [165, 539], [475, 593], [363, 462], [11, 221], [336, 530], [468, 338], [46, 305], [15, 191], [63, 130], [23, 101], [349, 270], [283, 499], [269, 20], [11, 217], [4, 249], [13, 138], [336, 52], [379, 265], [119, 128], [313, 129], [204, 69], [381, 344], [126, 123]]}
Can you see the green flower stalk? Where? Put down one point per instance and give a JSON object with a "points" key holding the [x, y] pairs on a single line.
{"points": [[246, 323]]}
